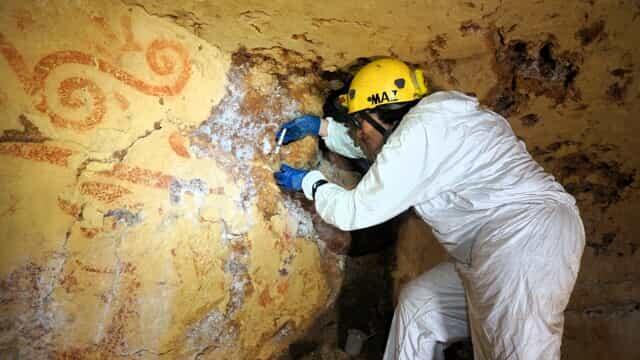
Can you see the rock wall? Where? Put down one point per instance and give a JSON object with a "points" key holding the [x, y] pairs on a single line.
{"points": [[93, 94], [139, 213]]}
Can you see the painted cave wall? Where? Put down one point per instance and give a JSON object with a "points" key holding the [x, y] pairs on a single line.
{"points": [[138, 215]]}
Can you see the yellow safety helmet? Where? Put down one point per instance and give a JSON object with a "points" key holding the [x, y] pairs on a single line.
{"points": [[381, 82]]}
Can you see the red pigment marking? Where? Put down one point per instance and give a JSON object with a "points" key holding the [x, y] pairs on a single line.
{"points": [[121, 323], [136, 175], [68, 207], [157, 56], [16, 62], [37, 152], [66, 91], [122, 101], [177, 144], [69, 282], [145, 177], [103, 192], [115, 340], [90, 233], [265, 298], [283, 287], [129, 44], [158, 61], [93, 269]]}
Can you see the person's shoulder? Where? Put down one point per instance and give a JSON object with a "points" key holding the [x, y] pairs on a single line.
{"points": [[442, 108], [446, 101]]}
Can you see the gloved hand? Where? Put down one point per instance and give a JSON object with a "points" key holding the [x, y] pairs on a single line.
{"points": [[299, 128], [290, 178]]}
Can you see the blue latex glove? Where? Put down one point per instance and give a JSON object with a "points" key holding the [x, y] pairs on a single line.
{"points": [[290, 178], [299, 128]]}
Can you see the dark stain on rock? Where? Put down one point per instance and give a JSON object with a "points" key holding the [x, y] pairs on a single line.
{"points": [[591, 33], [530, 68], [120, 154], [602, 246], [300, 349], [125, 216], [551, 148], [469, 27], [613, 310], [289, 63], [358, 64], [620, 72], [617, 91], [438, 43], [610, 183], [529, 120], [30, 133], [584, 173], [445, 66], [303, 37]]}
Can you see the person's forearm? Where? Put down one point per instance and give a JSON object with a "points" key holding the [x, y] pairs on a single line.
{"points": [[324, 127]]}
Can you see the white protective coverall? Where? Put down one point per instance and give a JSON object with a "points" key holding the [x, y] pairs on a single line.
{"points": [[514, 235]]}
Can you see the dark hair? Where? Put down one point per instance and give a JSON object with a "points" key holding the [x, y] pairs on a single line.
{"points": [[391, 113]]}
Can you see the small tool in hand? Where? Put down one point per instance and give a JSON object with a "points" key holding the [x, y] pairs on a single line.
{"points": [[280, 141]]}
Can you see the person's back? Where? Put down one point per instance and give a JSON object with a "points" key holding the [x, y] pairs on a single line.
{"points": [[475, 167]]}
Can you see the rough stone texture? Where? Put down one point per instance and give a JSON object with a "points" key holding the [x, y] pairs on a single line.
{"points": [[563, 71], [139, 214], [417, 250]]}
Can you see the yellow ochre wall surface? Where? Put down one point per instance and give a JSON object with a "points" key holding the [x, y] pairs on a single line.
{"points": [[138, 212], [139, 216]]}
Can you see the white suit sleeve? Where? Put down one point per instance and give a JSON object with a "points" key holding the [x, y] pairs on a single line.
{"points": [[339, 141], [392, 185]]}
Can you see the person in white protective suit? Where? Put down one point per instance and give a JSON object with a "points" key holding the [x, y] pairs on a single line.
{"points": [[514, 235]]}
